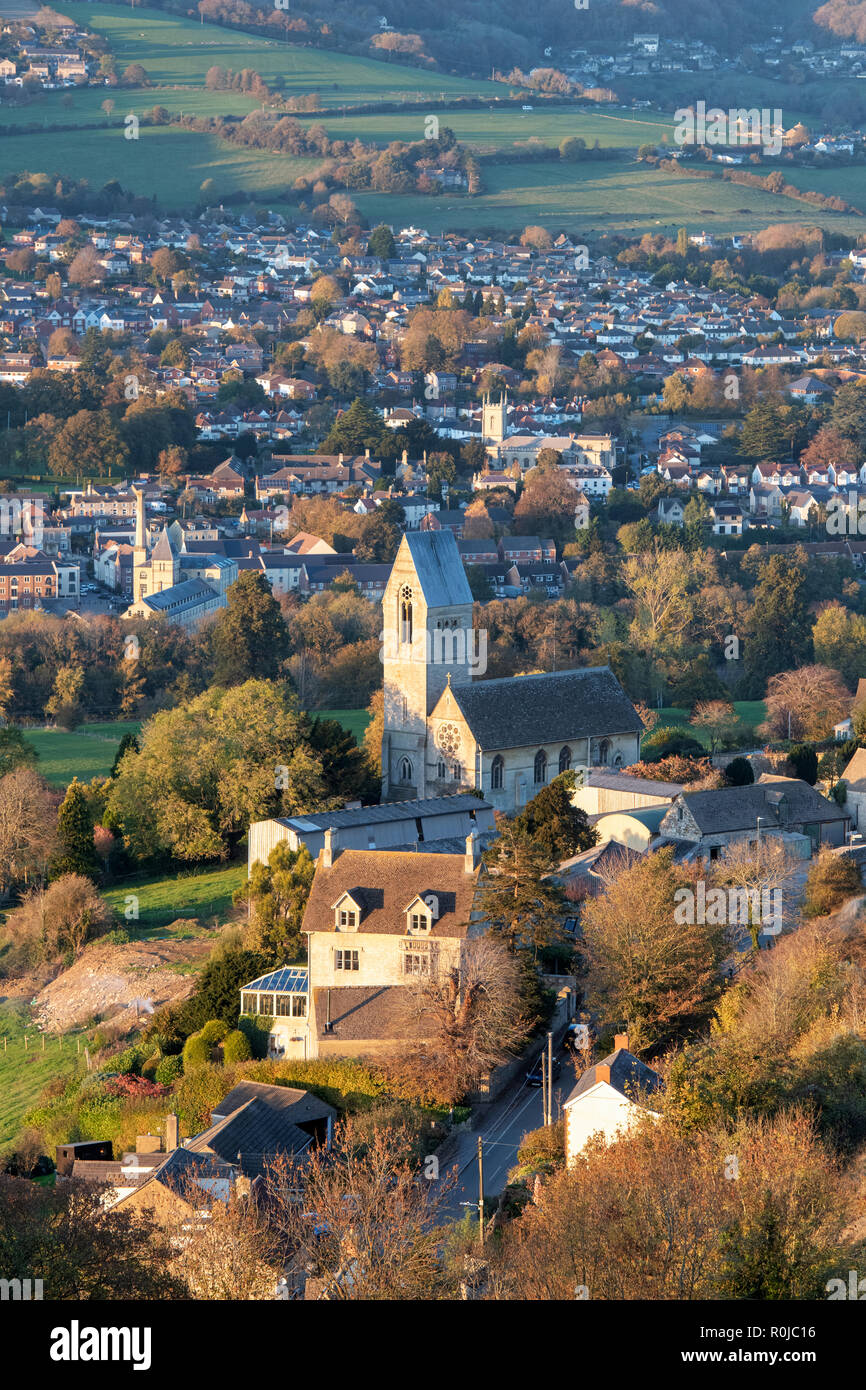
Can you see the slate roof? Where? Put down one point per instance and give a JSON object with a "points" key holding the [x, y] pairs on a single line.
{"points": [[365, 1012], [255, 1127], [304, 1106], [855, 772], [384, 883], [519, 711], [163, 550], [737, 808], [628, 1075], [439, 568]]}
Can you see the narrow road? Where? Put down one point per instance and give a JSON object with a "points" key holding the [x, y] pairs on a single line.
{"points": [[501, 1132]]}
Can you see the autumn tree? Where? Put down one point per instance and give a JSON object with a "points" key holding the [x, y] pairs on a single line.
{"points": [[55, 921], [645, 970], [470, 1012], [368, 1227], [806, 703], [27, 832], [717, 717], [82, 1248]]}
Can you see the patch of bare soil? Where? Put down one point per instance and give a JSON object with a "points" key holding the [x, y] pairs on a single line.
{"points": [[122, 983]]}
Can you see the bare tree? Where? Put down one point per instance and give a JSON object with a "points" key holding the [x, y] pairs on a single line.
{"points": [[760, 876], [369, 1224], [470, 1013], [806, 703], [717, 717], [227, 1248]]}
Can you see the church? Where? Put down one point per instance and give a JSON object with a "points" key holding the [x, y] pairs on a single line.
{"points": [[170, 583], [583, 454], [444, 730]]}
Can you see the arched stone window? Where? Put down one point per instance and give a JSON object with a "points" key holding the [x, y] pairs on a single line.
{"points": [[406, 772], [604, 752], [405, 615], [540, 776], [497, 773], [564, 758]]}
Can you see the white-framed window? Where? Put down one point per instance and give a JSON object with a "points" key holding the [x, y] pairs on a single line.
{"points": [[348, 918], [416, 963], [346, 960]]}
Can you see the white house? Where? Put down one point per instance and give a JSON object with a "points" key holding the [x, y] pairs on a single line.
{"points": [[608, 1098]]}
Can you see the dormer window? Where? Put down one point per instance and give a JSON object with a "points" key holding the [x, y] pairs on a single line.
{"points": [[420, 915], [347, 913]]}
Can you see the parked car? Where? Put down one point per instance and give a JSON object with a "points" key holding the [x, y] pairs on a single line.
{"points": [[533, 1077]]}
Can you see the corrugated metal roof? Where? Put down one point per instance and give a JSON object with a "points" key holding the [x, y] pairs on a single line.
{"points": [[390, 811]]}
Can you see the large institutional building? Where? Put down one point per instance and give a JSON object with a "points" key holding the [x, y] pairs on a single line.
{"points": [[169, 582], [444, 730]]}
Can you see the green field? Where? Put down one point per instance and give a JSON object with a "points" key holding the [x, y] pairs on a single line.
{"points": [[23, 1074], [354, 720], [86, 753], [616, 196], [620, 196], [750, 713], [206, 894], [178, 52], [166, 161]]}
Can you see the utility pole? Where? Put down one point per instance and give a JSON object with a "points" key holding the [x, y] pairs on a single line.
{"points": [[550, 1078], [543, 1087], [480, 1191]]}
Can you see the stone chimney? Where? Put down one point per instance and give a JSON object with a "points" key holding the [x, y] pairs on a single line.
{"points": [[340, 459], [366, 453], [470, 860], [620, 1040], [171, 1133], [602, 1073], [405, 458], [329, 849]]}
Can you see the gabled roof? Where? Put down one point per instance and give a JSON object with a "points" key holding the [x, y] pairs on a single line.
{"points": [[382, 882], [781, 801], [254, 1128], [523, 711], [439, 568], [303, 1105], [628, 1075]]}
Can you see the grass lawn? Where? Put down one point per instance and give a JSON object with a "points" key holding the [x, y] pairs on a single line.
{"points": [[205, 894], [23, 1074], [749, 712], [86, 753], [354, 720]]}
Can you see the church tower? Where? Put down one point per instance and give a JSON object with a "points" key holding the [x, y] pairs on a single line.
{"points": [[494, 420], [427, 641]]}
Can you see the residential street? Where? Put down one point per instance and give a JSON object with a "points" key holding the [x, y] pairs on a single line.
{"points": [[502, 1130]]}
